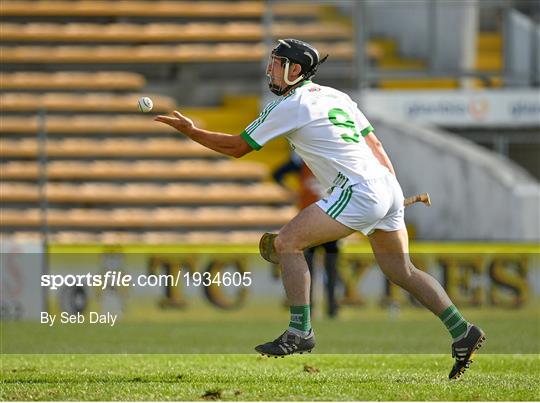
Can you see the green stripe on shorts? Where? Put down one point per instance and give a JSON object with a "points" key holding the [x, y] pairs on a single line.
{"points": [[333, 206], [341, 203]]}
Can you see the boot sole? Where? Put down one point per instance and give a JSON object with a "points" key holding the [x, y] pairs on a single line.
{"points": [[283, 355]]}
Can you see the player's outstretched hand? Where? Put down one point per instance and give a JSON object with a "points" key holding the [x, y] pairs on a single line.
{"points": [[179, 122]]}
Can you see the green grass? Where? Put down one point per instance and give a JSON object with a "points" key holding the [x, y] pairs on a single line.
{"points": [[365, 354], [249, 377], [207, 330]]}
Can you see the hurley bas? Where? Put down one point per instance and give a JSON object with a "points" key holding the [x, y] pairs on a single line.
{"points": [[90, 317]]}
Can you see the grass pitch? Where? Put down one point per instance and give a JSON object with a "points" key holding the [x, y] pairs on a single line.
{"points": [[365, 354], [204, 329], [250, 377]]}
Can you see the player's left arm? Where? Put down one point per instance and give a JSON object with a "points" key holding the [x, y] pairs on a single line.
{"points": [[228, 144], [378, 150]]}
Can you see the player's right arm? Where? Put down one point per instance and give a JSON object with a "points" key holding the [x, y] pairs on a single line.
{"points": [[234, 146], [275, 120], [377, 149]]}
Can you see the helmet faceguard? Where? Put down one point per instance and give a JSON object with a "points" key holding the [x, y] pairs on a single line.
{"points": [[297, 52], [286, 64]]}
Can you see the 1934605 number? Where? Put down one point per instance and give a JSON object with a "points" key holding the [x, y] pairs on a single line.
{"points": [[225, 279]]}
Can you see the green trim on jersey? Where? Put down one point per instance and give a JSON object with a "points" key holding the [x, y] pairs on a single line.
{"points": [[305, 83], [262, 117], [341, 203], [246, 134], [252, 143], [367, 130]]}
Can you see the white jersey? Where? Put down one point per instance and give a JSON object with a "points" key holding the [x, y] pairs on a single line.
{"points": [[326, 128]]}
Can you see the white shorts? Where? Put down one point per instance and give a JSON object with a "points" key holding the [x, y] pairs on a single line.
{"points": [[367, 206]]}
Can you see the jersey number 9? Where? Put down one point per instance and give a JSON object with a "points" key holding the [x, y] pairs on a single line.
{"points": [[338, 117]]}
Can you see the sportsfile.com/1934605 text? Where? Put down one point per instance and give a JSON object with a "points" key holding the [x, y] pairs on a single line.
{"points": [[113, 278]]}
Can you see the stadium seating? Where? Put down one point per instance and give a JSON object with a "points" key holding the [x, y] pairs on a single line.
{"points": [[113, 174], [143, 54], [146, 194], [89, 102], [91, 124], [140, 218], [108, 148], [67, 80], [188, 9], [167, 32], [143, 237], [488, 59], [183, 170]]}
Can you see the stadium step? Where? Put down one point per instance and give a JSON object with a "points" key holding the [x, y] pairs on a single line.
{"points": [[167, 32], [151, 54], [88, 124], [419, 84], [108, 148], [398, 63], [195, 237], [147, 194], [109, 8], [88, 102], [72, 81], [489, 41], [166, 217], [139, 170], [388, 47], [489, 55]]}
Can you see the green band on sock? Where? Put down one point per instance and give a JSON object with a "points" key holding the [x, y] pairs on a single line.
{"points": [[454, 322], [459, 331], [448, 312], [300, 318], [455, 318]]}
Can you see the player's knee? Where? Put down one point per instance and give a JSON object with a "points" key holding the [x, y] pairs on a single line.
{"points": [[401, 274], [286, 244], [281, 245]]}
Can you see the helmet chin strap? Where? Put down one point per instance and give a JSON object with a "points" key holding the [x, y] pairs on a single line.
{"points": [[280, 91], [286, 75]]}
